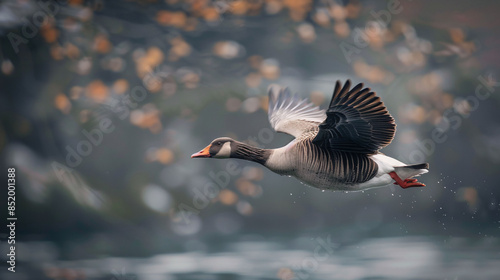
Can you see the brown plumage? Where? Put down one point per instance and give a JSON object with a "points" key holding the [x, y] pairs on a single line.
{"points": [[336, 149]]}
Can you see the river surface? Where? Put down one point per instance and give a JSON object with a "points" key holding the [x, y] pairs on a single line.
{"points": [[251, 257]]}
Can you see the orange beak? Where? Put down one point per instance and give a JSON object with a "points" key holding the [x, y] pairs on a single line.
{"points": [[203, 153]]}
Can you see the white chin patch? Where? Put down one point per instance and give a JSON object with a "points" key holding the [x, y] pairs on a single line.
{"points": [[225, 151]]}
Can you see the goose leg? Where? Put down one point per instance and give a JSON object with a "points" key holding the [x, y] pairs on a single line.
{"points": [[407, 183]]}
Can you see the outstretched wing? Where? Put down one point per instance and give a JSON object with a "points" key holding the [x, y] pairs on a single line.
{"points": [[357, 121], [290, 114]]}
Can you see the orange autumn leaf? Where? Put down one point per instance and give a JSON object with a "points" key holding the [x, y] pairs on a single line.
{"points": [[50, 34], [102, 44], [176, 19], [228, 197], [164, 155], [120, 86], [62, 103], [97, 91]]}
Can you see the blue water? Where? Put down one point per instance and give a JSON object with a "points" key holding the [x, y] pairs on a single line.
{"points": [[293, 258]]}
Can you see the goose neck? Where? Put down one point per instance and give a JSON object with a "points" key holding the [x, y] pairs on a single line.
{"points": [[247, 152]]}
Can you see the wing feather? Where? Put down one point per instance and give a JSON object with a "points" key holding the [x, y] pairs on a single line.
{"points": [[357, 121], [290, 114]]}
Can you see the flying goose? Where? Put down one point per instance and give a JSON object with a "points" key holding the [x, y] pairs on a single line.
{"points": [[335, 150]]}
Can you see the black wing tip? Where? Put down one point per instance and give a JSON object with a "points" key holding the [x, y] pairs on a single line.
{"points": [[424, 165], [342, 91], [339, 82], [348, 83], [359, 110], [358, 87]]}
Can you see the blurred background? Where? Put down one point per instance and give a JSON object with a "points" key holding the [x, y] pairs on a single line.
{"points": [[103, 102]]}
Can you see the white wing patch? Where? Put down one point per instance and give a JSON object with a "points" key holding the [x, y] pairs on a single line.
{"points": [[290, 114]]}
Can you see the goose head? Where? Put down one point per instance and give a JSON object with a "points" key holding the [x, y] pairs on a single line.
{"points": [[219, 148], [225, 147]]}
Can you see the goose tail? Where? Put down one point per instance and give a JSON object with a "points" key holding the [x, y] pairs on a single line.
{"points": [[409, 171]]}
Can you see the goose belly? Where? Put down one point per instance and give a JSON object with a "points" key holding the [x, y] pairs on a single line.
{"points": [[332, 170], [323, 169], [326, 181], [320, 180]]}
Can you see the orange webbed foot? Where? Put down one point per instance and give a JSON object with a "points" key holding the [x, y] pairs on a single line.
{"points": [[407, 183]]}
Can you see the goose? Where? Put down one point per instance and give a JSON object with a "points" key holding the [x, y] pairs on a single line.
{"points": [[336, 149]]}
